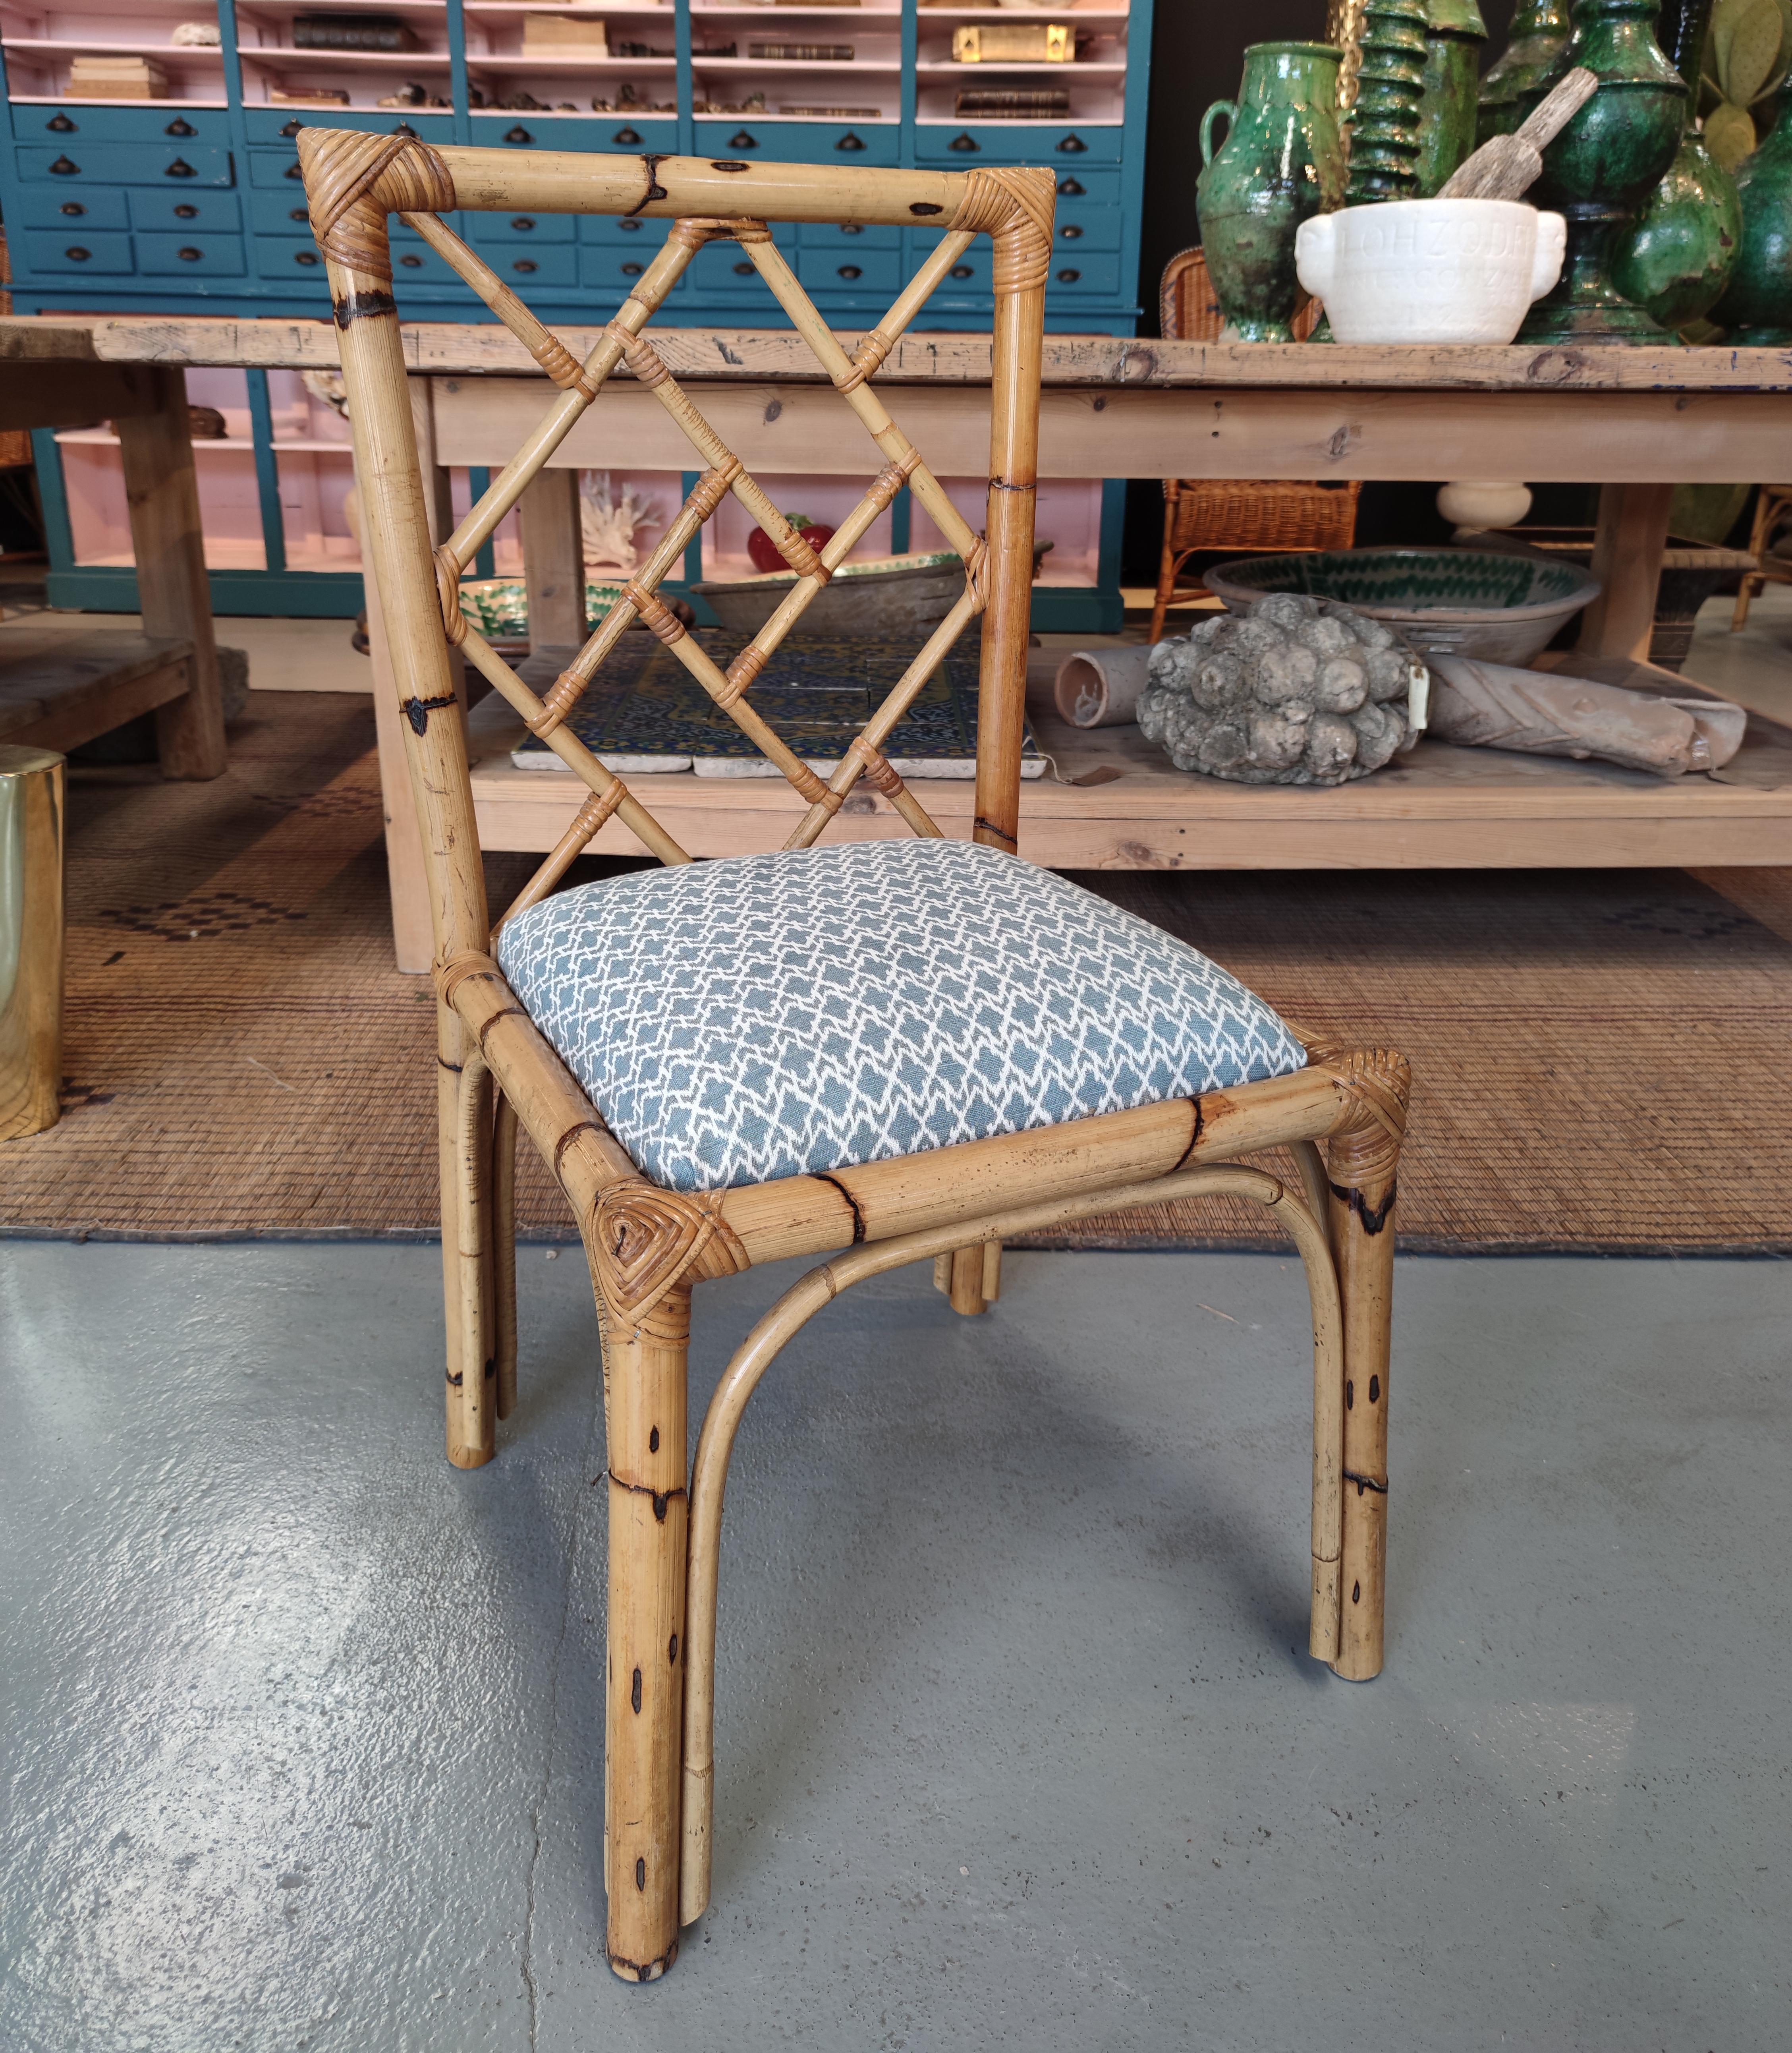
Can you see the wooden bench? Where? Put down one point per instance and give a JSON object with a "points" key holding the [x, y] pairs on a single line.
{"points": [[58, 692]]}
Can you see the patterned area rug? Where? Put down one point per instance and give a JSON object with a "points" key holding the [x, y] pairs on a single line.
{"points": [[1601, 1058]]}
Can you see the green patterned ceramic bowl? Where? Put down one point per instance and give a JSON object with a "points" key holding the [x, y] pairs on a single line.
{"points": [[1445, 601]]}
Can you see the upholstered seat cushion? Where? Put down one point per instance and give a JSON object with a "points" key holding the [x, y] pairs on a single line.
{"points": [[765, 1016]]}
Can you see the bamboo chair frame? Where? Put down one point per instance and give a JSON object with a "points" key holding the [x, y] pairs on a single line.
{"points": [[1201, 514], [1343, 1116]]}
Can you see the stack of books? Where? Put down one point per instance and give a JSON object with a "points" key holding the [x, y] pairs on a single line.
{"points": [[1013, 104], [564, 35], [116, 78]]}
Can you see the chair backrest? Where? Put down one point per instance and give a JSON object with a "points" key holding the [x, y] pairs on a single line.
{"points": [[1189, 309], [355, 182]]}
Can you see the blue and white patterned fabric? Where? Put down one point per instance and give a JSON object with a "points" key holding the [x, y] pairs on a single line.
{"points": [[765, 1016]]}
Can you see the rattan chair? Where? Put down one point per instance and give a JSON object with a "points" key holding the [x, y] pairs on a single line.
{"points": [[889, 1051], [1773, 506], [1203, 514]]}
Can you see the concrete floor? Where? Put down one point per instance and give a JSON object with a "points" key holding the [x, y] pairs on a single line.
{"points": [[1018, 1745]]}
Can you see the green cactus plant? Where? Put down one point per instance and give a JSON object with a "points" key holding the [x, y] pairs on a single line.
{"points": [[1746, 57]]}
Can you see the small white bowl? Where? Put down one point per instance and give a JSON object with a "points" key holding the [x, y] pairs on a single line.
{"points": [[1430, 270]]}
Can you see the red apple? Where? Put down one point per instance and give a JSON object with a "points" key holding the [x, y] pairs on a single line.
{"points": [[764, 551]]}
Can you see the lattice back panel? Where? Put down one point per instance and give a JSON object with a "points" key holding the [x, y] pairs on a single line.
{"points": [[354, 181]]}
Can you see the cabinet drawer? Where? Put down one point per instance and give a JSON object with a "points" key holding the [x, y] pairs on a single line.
{"points": [[971, 274], [185, 213], [122, 124], [612, 272], [196, 256], [541, 264], [1098, 273], [124, 164], [1014, 143], [1084, 185], [523, 231], [1082, 227], [279, 213], [277, 257], [849, 270], [628, 133], [634, 232], [36, 207], [847, 241], [723, 270], [798, 142], [278, 169], [415, 263], [278, 124], [54, 250]]}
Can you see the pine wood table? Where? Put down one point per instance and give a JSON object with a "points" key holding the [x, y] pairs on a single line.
{"points": [[1637, 422], [56, 693]]}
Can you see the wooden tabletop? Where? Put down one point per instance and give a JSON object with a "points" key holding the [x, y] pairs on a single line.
{"points": [[760, 355]]}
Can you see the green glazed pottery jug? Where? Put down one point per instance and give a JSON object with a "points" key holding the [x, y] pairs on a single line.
{"points": [[1757, 308], [1540, 30], [1677, 256], [1282, 160]]}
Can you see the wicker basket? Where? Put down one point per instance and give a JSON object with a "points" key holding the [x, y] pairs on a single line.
{"points": [[1210, 513]]}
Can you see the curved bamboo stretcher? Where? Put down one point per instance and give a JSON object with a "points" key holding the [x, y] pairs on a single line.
{"points": [[1343, 1116]]}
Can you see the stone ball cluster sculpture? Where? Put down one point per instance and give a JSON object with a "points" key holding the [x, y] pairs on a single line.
{"points": [[1300, 691]]}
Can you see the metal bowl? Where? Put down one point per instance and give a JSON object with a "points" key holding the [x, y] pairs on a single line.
{"points": [[1503, 609], [905, 595]]}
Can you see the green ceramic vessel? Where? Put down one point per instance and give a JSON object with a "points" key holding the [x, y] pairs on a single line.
{"points": [[1757, 308], [1282, 160], [1602, 166], [1540, 33], [1454, 33], [1677, 256], [1384, 118]]}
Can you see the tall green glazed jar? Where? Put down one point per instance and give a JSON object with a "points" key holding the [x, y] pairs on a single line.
{"points": [[1677, 256], [1454, 33], [1602, 166], [1282, 160]]}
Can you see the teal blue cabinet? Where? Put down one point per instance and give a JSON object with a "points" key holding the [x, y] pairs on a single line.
{"points": [[193, 203]]}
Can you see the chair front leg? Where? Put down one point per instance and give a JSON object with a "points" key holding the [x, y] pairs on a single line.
{"points": [[1363, 1162], [645, 1359]]}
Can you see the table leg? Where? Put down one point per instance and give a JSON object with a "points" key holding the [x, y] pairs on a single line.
{"points": [[168, 540], [1627, 548], [554, 560]]}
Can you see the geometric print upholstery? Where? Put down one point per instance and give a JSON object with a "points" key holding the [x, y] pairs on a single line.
{"points": [[763, 1016]]}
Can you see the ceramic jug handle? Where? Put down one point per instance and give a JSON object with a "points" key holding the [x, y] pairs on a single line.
{"points": [[1229, 109]]}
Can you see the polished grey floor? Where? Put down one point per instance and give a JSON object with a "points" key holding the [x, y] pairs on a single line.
{"points": [[1017, 1744]]}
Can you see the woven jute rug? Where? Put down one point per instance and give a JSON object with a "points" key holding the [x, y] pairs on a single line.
{"points": [[1600, 1057]]}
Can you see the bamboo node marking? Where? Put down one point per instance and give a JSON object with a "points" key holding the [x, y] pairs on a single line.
{"points": [[354, 181], [654, 613], [1015, 208], [647, 1241]]}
